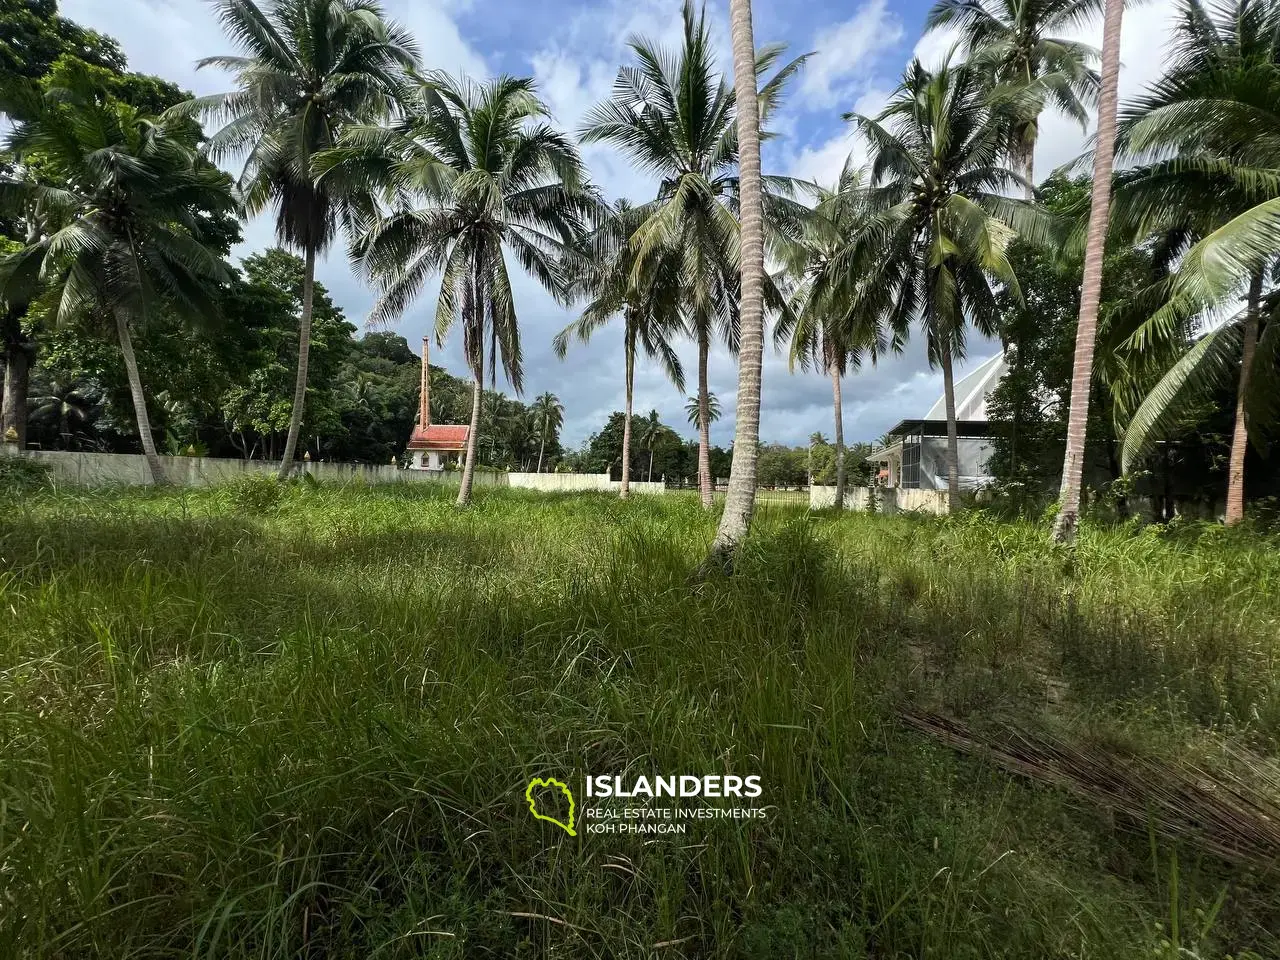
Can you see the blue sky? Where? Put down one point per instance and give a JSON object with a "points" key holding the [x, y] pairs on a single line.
{"points": [[573, 49]]}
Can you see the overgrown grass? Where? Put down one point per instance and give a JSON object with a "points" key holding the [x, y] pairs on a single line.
{"points": [[298, 721]]}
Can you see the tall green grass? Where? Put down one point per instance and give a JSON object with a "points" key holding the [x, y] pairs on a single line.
{"points": [[298, 721]]}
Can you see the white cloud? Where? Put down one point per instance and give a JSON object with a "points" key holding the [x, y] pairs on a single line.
{"points": [[846, 53], [933, 48], [823, 163]]}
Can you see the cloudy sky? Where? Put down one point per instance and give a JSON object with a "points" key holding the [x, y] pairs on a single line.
{"points": [[573, 48]]}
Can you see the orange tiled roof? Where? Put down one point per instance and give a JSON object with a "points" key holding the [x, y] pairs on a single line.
{"points": [[440, 436]]}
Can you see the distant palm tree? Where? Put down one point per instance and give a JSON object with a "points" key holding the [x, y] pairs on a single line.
{"points": [[308, 69], [693, 408], [673, 114], [64, 404], [128, 226], [490, 176], [651, 431], [548, 413], [940, 218], [1021, 42], [1064, 526], [831, 326], [649, 307]]}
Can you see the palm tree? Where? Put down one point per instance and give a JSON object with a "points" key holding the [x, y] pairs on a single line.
{"points": [[693, 407], [1019, 42], [307, 69], [650, 310], [63, 404], [651, 431], [548, 413], [939, 218], [491, 176], [1212, 184], [823, 329], [127, 231], [740, 500], [673, 115]]}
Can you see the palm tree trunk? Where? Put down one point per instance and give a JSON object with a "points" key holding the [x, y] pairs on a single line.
{"points": [[837, 400], [469, 466], [630, 348], [1029, 169], [17, 385], [158, 475], [953, 443], [542, 445], [1064, 528], [304, 355], [1240, 434], [704, 422], [740, 502], [649, 474]]}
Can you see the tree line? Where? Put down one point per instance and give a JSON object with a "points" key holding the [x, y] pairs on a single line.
{"points": [[118, 213]]}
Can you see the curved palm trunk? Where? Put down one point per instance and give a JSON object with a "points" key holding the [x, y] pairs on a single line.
{"points": [[953, 443], [17, 386], [158, 475], [469, 466], [1240, 433], [304, 355], [1029, 168], [1064, 527], [542, 445], [837, 400], [740, 502], [630, 348], [704, 423]]}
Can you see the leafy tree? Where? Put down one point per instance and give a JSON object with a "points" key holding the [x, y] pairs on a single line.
{"points": [[1020, 43], [128, 234], [33, 35], [491, 176], [673, 115], [307, 69]]}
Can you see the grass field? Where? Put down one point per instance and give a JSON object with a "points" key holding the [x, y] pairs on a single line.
{"points": [[298, 721]]}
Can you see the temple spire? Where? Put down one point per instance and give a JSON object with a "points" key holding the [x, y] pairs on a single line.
{"points": [[424, 414]]}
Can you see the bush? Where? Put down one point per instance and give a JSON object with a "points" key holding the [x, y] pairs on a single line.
{"points": [[256, 493], [22, 475]]}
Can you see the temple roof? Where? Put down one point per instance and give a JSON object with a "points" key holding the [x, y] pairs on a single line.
{"points": [[440, 436]]}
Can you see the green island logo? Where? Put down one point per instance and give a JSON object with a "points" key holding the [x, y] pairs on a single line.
{"points": [[550, 783]]}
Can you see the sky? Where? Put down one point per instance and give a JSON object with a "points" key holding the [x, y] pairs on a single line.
{"points": [[573, 49]]}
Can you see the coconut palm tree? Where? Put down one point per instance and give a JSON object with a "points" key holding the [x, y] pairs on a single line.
{"points": [[306, 69], [673, 115], [1207, 131], [939, 218], [693, 407], [488, 176], [740, 499], [128, 230], [649, 307], [1021, 42], [548, 413], [651, 430], [63, 404], [823, 329]]}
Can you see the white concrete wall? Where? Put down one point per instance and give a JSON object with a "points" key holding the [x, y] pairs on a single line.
{"points": [[553, 482], [103, 469], [888, 499], [100, 469]]}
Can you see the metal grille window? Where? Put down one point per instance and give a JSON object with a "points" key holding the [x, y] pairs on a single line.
{"points": [[911, 462]]}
